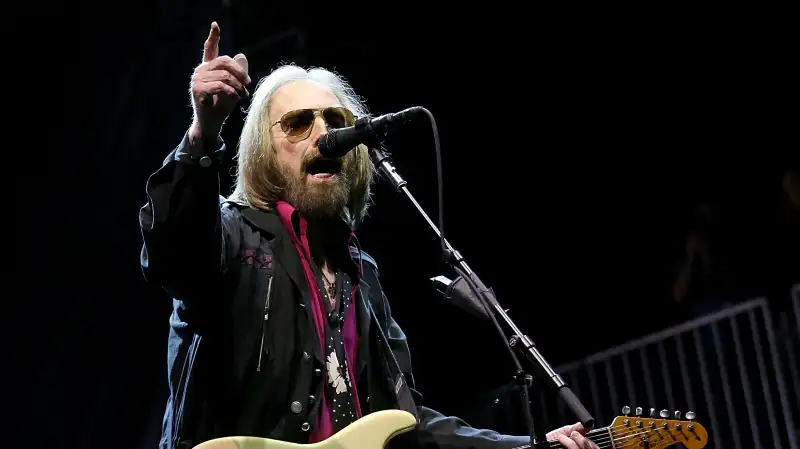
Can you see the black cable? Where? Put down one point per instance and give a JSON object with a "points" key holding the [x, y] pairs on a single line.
{"points": [[439, 177]]}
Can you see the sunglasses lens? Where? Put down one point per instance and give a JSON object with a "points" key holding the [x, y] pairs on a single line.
{"points": [[297, 123], [338, 117]]}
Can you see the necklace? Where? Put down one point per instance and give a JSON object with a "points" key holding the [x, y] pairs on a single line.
{"points": [[330, 286]]}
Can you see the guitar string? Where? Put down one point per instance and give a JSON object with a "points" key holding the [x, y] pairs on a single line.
{"points": [[601, 444], [606, 437], [617, 441], [604, 443], [603, 438]]}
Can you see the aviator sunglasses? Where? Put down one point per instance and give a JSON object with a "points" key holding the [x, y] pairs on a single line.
{"points": [[297, 125]]}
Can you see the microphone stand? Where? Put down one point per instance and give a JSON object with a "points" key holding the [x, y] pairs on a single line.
{"points": [[517, 340]]}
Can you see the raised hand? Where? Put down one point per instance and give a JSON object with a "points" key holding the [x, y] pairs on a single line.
{"points": [[218, 83]]}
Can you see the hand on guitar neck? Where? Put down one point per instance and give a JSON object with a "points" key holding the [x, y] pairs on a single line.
{"points": [[572, 437]]}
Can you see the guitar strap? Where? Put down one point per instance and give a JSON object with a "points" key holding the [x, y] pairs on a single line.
{"points": [[400, 387]]}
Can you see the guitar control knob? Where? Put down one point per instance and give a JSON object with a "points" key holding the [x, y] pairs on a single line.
{"points": [[638, 411], [677, 414], [652, 412], [664, 413], [690, 415], [626, 410]]}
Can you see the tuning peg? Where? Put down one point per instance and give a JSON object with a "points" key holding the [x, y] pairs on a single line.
{"points": [[626, 410], [638, 411], [652, 412], [664, 413], [677, 414], [690, 416]]}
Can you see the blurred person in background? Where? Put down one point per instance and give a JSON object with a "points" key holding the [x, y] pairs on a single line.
{"points": [[704, 280]]}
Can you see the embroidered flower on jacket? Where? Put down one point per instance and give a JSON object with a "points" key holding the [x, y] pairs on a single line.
{"points": [[335, 373]]}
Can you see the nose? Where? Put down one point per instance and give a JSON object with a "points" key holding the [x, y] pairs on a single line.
{"points": [[319, 129]]}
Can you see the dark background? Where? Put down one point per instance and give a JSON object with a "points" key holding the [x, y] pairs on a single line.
{"points": [[575, 145]]}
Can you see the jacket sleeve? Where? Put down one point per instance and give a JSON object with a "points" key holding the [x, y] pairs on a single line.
{"points": [[185, 231]]}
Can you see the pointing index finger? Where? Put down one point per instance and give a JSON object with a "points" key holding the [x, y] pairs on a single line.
{"points": [[211, 46]]}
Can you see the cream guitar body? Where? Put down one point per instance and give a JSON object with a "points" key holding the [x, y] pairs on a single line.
{"points": [[372, 431]]}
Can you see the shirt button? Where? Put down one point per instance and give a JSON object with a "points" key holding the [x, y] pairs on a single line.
{"points": [[296, 407], [305, 427], [311, 400], [205, 162], [317, 372]]}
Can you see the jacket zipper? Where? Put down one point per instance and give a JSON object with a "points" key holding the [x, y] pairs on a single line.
{"points": [[264, 324]]}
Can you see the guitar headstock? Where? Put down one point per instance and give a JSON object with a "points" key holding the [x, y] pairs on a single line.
{"points": [[657, 430]]}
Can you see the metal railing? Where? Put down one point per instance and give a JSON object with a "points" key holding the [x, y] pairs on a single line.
{"points": [[737, 369]]}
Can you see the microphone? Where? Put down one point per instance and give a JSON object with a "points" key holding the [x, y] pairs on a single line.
{"points": [[338, 142], [457, 292]]}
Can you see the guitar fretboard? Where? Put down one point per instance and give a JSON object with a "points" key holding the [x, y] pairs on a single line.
{"points": [[599, 436]]}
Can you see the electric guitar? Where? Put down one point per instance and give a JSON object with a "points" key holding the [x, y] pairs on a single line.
{"points": [[373, 431]]}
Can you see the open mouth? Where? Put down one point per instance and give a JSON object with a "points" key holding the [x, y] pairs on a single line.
{"points": [[323, 167]]}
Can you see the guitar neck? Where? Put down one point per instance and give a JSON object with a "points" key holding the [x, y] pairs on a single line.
{"points": [[602, 437]]}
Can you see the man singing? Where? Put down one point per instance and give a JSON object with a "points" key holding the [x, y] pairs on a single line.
{"points": [[280, 327]]}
